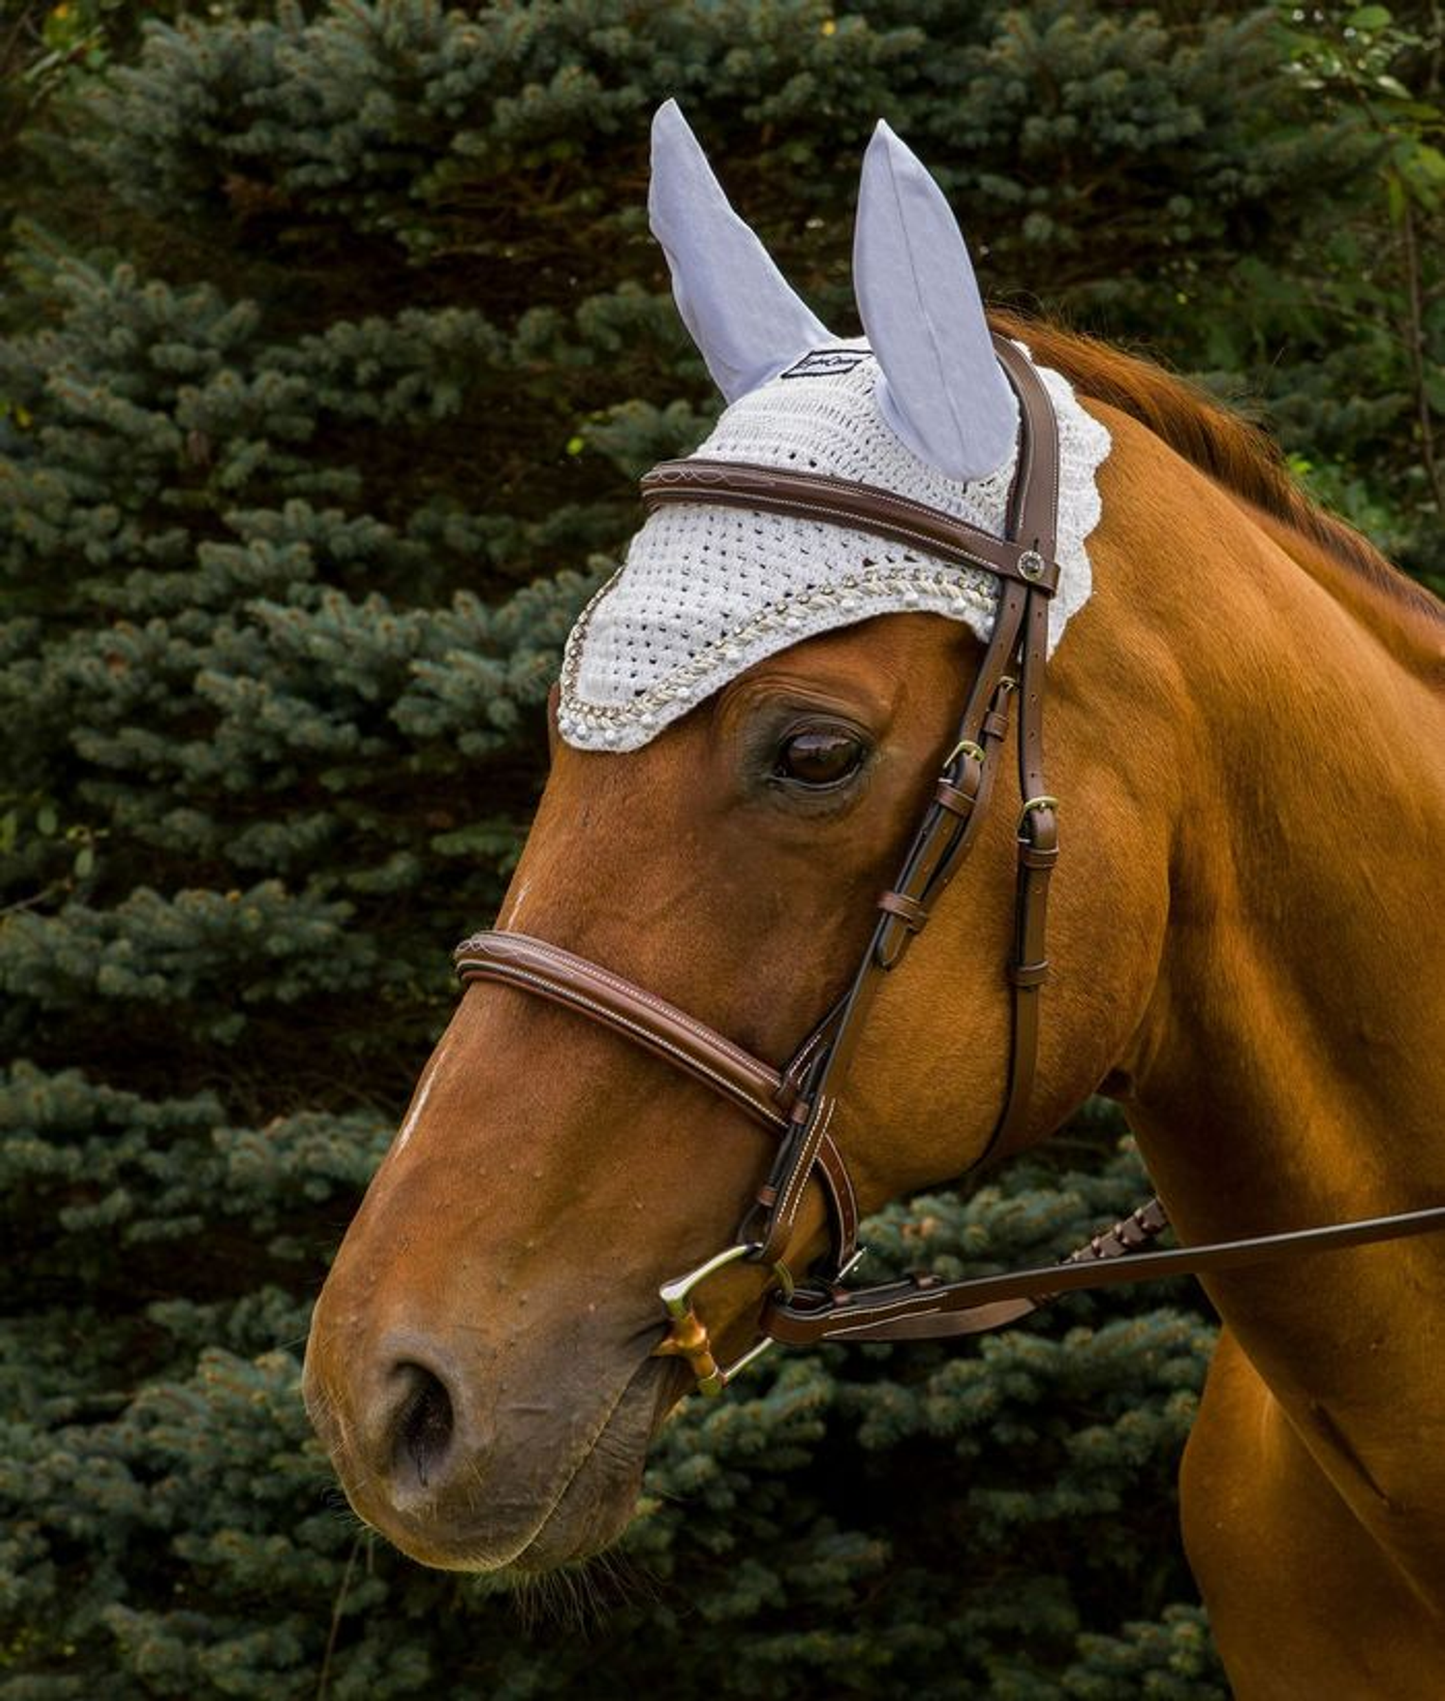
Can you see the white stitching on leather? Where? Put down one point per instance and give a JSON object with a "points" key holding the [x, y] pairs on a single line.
{"points": [[808, 1049], [660, 1005], [803, 1168], [882, 1314], [1004, 563], [493, 969], [501, 968]]}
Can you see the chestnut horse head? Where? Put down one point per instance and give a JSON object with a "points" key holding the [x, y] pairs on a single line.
{"points": [[1244, 686]]}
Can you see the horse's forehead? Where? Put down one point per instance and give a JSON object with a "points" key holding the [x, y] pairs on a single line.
{"points": [[708, 591], [867, 670]]}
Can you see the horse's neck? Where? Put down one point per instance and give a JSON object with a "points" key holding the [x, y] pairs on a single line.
{"points": [[1290, 1070]]}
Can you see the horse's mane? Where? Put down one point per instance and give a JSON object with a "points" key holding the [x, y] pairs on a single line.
{"points": [[1239, 455]]}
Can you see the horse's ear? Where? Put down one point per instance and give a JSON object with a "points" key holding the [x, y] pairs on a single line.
{"points": [[745, 319], [942, 389]]}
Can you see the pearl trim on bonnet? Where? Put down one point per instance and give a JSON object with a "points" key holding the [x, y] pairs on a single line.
{"points": [[707, 591]]}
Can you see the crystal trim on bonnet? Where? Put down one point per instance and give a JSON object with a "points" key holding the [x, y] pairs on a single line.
{"points": [[707, 591], [928, 588]]}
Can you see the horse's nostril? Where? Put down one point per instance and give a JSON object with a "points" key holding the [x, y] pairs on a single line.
{"points": [[424, 1426]]}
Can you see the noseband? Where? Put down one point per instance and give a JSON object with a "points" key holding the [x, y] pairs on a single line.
{"points": [[797, 1104]]}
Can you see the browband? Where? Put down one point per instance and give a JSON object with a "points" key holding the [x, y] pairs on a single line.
{"points": [[839, 502]]}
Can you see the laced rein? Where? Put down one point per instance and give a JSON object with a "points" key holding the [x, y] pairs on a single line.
{"points": [[797, 1104]]}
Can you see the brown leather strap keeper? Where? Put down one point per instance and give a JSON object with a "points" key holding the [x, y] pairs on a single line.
{"points": [[955, 800], [1031, 856], [641, 1016], [1028, 974], [913, 915]]}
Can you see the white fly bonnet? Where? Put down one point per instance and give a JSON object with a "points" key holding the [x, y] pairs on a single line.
{"points": [[918, 407]]}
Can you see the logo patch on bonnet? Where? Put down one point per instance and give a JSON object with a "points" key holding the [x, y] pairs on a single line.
{"points": [[828, 362]]}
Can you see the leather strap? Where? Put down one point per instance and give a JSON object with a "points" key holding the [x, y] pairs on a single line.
{"points": [[961, 797], [1037, 496], [925, 1308], [841, 502], [942, 841], [949, 828], [546, 970]]}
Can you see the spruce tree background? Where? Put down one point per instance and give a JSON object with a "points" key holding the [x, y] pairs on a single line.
{"points": [[334, 339]]}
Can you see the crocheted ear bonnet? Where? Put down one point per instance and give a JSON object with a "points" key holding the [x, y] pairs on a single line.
{"points": [[919, 407]]}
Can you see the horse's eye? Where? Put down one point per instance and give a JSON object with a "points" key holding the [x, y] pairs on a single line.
{"points": [[819, 756]]}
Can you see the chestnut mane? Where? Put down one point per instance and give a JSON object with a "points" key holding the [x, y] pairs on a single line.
{"points": [[1238, 455]]}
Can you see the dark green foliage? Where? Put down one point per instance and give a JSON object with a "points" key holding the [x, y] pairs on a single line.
{"points": [[336, 339], [185, 1541]]}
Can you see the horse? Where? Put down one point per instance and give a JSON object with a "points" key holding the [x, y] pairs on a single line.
{"points": [[1246, 731]]}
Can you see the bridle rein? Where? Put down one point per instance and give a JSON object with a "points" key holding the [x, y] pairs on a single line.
{"points": [[797, 1104]]}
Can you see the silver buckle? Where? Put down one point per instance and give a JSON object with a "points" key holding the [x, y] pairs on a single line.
{"points": [[688, 1337]]}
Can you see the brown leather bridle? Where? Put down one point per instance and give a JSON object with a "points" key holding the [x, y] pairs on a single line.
{"points": [[797, 1104]]}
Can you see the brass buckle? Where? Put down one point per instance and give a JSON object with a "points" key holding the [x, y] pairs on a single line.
{"points": [[964, 747], [688, 1336]]}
